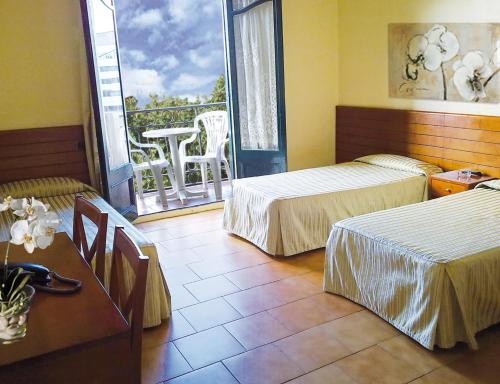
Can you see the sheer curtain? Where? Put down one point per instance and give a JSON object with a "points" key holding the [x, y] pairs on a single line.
{"points": [[256, 71]]}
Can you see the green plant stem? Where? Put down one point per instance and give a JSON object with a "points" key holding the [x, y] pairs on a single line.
{"points": [[445, 91], [5, 262]]}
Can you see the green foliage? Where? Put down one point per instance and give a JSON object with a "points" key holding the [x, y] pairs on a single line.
{"points": [[170, 112]]}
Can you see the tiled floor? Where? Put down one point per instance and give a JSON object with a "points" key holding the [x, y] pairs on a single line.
{"points": [[241, 316], [152, 204]]}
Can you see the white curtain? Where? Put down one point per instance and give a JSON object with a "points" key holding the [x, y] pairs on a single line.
{"points": [[256, 71]]}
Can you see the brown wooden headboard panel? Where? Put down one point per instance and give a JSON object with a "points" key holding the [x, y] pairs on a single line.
{"points": [[43, 152], [450, 140]]}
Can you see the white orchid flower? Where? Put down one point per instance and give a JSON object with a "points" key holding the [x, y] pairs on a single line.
{"points": [[430, 50], [7, 203], [22, 233], [30, 209], [496, 55], [45, 229], [470, 73]]}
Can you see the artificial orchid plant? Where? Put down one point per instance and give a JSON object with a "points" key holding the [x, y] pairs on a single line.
{"points": [[34, 227]]}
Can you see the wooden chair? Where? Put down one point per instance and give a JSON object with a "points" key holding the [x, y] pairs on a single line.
{"points": [[132, 307], [83, 207]]}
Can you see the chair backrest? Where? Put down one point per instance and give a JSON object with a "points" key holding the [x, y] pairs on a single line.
{"points": [[132, 304], [216, 126], [83, 207]]}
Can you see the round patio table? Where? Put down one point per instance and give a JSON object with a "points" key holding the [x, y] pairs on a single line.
{"points": [[171, 135]]}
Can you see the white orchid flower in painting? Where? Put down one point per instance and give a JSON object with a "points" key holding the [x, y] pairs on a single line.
{"points": [[430, 50], [22, 233], [8, 203], [496, 55], [30, 209], [45, 229], [471, 75]]}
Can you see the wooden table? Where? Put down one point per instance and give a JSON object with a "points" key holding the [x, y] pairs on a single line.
{"points": [[447, 183], [171, 135], [77, 338]]}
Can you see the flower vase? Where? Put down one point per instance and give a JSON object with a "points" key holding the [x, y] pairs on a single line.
{"points": [[14, 316]]}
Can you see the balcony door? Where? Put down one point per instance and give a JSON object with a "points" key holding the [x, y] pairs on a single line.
{"points": [[106, 90], [254, 49]]}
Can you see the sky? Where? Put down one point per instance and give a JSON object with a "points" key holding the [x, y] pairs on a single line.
{"points": [[170, 47]]}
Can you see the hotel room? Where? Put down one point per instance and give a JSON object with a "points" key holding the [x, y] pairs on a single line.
{"points": [[339, 221]]}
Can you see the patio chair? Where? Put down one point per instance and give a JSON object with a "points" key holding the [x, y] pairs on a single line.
{"points": [[216, 127], [156, 166]]}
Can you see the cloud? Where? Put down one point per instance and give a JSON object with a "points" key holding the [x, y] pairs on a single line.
{"points": [[135, 54], [166, 62], [146, 19], [140, 82], [206, 57], [189, 82], [182, 11]]}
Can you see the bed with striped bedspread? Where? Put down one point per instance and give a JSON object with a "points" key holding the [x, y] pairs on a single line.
{"points": [[292, 212], [430, 269], [60, 193]]}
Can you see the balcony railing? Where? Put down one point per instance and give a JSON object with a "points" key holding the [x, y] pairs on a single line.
{"points": [[140, 121]]}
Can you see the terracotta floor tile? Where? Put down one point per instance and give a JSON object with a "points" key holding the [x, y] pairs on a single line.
{"points": [[419, 357], [329, 374], [374, 365], [447, 375], [224, 264], [174, 328], [213, 374], [293, 288], [161, 363], [264, 365], [313, 348], [360, 330], [179, 275], [208, 347], [172, 259], [181, 297], [263, 274], [257, 330], [316, 278], [210, 314], [187, 242], [188, 229], [211, 288], [218, 249], [313, 260], [212, 237], [253, 300], [313, 310], [152, 225]]}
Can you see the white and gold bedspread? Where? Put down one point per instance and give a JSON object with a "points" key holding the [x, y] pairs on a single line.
{"points": [[292, 212], [431, 269], [60, 194]]}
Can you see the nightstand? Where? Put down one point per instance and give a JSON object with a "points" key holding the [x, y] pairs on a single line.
{"points": [[447, 183]]}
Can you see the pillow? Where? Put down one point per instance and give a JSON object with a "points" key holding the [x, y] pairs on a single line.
{"points": [[401, 163], [45, 187], [490, 184]]}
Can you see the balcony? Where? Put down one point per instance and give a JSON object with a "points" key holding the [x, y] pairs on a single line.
{"points": [[140, 121]]}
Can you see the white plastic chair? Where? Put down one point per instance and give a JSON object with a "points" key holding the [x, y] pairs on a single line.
{"points": [[156, 167], [216, 127]]}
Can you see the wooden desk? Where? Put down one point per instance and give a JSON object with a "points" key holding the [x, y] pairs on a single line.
{"points": [[77, 338]]}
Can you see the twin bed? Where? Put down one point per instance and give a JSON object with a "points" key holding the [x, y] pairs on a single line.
{"points": [[430, 268], [60, 193]]}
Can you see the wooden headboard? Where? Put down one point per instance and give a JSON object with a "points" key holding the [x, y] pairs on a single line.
{"points": [[449, 140], [43, 152]]}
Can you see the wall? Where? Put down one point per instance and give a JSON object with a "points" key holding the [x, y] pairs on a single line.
{"points": [[363, 55], [311, 81], [39, 63]]}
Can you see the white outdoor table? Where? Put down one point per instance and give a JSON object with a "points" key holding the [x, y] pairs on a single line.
{"points": [[171, 135]]}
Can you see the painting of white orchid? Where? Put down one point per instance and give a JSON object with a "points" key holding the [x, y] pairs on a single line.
{"points": [[451, 61]]}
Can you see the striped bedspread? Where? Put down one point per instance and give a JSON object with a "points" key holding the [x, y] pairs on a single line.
{"points": [[431, 269], [292, 212], [60, 194]]}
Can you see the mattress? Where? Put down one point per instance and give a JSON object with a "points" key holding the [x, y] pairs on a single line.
{"points": [[60, 194], [430, 269], [292, 212]]}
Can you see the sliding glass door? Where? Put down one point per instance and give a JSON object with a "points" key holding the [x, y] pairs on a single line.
{"points": [[254, 48], [108, 106]]}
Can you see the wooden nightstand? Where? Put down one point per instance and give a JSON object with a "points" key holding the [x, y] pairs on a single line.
{"points": [[447, 183]]}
